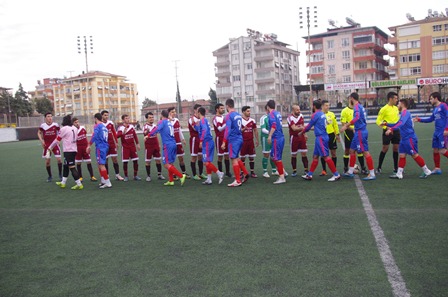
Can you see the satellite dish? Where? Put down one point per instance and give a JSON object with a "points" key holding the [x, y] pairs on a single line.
{"points": [[410, 17], [351, 21]]}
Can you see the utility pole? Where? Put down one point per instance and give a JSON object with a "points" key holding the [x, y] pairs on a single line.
{"points": [[82, 44], [178, 99]]}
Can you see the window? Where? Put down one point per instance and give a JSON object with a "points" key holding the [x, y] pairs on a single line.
{"points": [[438, 55], [346, 78], [276, 53], [235, 57], [317, 57], [346, 54], [236, 78], [410, 44], [363, 52], [249, 66], [247, 55], [363, 65], [437, 28], [410, 58], [235, 67], [235, 46], [362, 39], [345, 42], [411, 71], [446, 27], [331, 69], [346, 66], [317, 69], [248, 77], [331, 56], [330, 43], [317, 46], [440, 68], [249, 88], [439, 40], [247, 46]]}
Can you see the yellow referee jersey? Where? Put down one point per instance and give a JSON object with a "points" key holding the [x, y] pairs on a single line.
{"points": [[347, 116], [332, 124], [388, 113]]}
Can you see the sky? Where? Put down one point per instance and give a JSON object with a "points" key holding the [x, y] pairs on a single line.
{"points": [[142, 39]]}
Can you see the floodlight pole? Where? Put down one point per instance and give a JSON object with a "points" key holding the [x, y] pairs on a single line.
{"points": [[85, 47]]}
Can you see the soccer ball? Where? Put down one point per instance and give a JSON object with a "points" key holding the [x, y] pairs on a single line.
{"points": [[356, 169]]}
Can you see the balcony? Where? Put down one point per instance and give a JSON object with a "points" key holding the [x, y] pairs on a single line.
{"points": [[392, 40], [265, 80], [265, 92], [222, 63], [263, 58], [364, 71], [393, 53], [223, 74], [371, 45], [317, 63], [364, 58]]}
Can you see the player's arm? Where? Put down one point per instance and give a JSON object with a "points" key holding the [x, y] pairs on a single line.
{"points": [[40, 135], [136, 139], [273, 125], [336, 127], [256, 134], [380, 119], [226, 135]]}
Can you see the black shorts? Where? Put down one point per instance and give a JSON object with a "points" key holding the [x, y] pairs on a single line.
{"points": [[69, 158], [348, 136], [393, 138], [332, 141]]}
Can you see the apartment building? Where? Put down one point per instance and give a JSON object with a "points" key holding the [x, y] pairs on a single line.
{"points": [[421, 51], [256, 68]]}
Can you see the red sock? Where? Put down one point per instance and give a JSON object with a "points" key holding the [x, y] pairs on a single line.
{"points": [[314, 165], [330, 164], [242, 167], [402, 162], [436, 160], [352, 160], [174, 171], [170, 176], [279, 165], [236, 171], [420, 161], [446, 154], [210, 166], [369, 160], [104, 174]]}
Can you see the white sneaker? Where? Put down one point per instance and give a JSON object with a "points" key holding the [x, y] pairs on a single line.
{"points": [[161, 177], [280, 180], [234, 184], [118, 177], [334, 178], [109, 185], [148, 179], [220, 177], [285, 173], [266, 175], [399, 175], [274, 173]]}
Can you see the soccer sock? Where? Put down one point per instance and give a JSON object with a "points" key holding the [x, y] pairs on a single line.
{"points": [[335, 161], [264, 164], [381, 159], [305, 162], [200, 167], [370, 165], [193, 168], [331, 165], [420, 161], [346, 159], [174, 171], [294, 163], [78, 167], [170, 176], [227, 164], [148, 170], [236, 171], [48, 170], [89, 167], [402, 162], [314, 164], [395, 156], [279, 164], [60, 167], [274, 167], [116, 168], [75, 174], [436, 157], [210, 166], [446, 154], [182, 167], [242, 167], [135, 167], [159, 168], [104, 174], [252, 164], [352, 163], [125, 168], [324, 166], [361, 161], [220, 165], [66, 171], [64, 180]]}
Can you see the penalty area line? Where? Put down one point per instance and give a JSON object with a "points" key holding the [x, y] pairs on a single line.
{"points": [[393, 272]]}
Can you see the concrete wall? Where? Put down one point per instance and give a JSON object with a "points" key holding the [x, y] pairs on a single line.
{"points": [[8, 134]]}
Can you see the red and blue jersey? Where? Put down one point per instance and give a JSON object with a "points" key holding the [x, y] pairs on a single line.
{"points": [[319, 121], [439, 117], [359, 117], [404, 124], [166, 130], [233, 127], [100, 136], [275, 121], [205, 133]]}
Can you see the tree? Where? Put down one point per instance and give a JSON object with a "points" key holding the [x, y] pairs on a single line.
{"points": [[43, 105], [213, 100], [21, 104], [148, 102]]}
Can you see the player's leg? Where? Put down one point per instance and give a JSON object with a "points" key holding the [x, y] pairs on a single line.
{"points": [[47, 164], [148, 159], [395, 143], [277, 148], [293, 148], [386, 139], [134, 158]]}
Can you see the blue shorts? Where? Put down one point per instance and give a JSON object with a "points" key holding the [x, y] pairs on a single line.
{"points": [[234, 148], [408, 146], [438, 141], [169, 153], [360, 141], [321, 146], [277, 148], [208, 150], [101, 155]]}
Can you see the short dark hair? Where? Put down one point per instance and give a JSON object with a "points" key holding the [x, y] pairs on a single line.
{"points": [[148, 114], [104, 111], [47, 113], [171, 108], [230, 103], [218, 105], [436, 95], [165, 113], [74, 119], [405, 102], [271, 104], [317, 104], [355, 96], [201, 110], [123, 116], [98, 116], [323, 101], [196, 106], [391, 95], [245, 108], [67, 120]]}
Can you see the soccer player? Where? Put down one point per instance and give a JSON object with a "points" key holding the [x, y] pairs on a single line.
{"points": [[389, 114], [48, 131], [321, 149], [297, 142], [130, 146], [409, 141], [113, 144], [249, 131], [333, 135], [196, 154], [219, 126], [360, 138], [166, 131], [67, 135], [265, 146], [439, 117], [82, 155], [152, 148], [208, 147], [347, 117], [234, 140], [276, 139], [100, 138], [179, 137]]}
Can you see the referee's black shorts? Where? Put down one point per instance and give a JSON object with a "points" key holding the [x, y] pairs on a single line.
{"points": [[393, 138], [348, 136], [332, 141]]}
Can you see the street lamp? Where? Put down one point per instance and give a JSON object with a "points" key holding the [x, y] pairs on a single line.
{"points": [[309, 13], [85, 47]]}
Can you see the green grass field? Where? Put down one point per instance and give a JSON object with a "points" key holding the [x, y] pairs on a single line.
{"points": [[296, 239]]}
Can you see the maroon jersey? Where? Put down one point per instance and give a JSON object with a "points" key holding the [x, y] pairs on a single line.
{"points": [[128, 139], [112, 137], [177, 131], [191, 126], [248, 125], [81, 141], [151, 141], [219, 124], [298, 121], [49, 132]]}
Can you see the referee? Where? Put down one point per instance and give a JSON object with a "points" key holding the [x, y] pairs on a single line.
{"points": [[389, 113]]}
